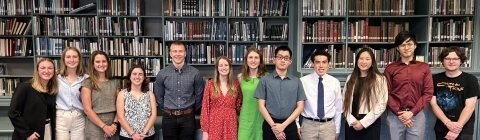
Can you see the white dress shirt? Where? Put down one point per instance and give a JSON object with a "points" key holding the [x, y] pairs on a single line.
{"points": [[378, 107], [332, 98]]}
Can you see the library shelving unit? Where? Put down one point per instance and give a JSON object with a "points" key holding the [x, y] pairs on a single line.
{"points": [[341, 27]]}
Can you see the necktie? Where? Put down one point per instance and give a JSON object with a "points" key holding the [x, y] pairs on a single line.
{"points": [[320, 104]]}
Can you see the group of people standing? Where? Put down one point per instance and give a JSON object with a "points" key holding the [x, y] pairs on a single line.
{"points": [[271, 105]]}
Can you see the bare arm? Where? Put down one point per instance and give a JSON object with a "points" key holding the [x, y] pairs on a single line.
{"points": [[153, 115], [438, 111], [263, 110], [87, 105], [467, 110], [121, 113], [295, 114]]}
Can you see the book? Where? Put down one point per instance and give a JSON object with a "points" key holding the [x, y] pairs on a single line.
{"points": [[85, 9]]}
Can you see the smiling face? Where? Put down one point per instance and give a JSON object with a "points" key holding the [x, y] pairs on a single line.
{"points": [[100, 63], [72, 59], [253, 60], [46, 70], [223, 67], [364, 62], [137, 76], [320, 64], [452, 62], [178, 54]]}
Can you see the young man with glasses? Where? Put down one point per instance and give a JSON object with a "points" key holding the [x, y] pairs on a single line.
{"points": [[280, 99], [454, 98], [410, 89]]}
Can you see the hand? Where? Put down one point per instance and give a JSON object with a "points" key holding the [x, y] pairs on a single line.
{"points": [[299, 133], [451, 135], [109, 130], [137, 136], [280, 136], [205, 136], [408, 123], [337, 136], [278, 127], [357, 125], [34, 136], [455, 127], [405, 115]]}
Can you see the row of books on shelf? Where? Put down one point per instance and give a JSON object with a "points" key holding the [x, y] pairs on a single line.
{"points": [[452, 7], [115, 46], [344, 57], [16, 47], [15, 26], [364, 31], [207, 53], [66, 26], [240, 8]]}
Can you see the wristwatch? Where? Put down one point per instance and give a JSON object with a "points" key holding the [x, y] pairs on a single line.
{"points": [[145, 133]]}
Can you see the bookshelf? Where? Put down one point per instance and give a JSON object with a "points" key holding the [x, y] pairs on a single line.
{"points": [[353, 24]]}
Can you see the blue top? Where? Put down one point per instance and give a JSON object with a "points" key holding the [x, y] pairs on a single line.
{"points": [[68, 97]]}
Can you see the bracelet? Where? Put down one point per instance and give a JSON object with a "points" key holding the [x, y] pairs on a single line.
{"points": [[447, 122], [104, 126]]}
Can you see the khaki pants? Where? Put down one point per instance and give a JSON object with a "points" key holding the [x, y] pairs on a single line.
{"points": [[313, 130], [48, 132], [70, 125]]}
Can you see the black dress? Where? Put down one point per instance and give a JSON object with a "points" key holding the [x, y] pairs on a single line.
{"points": [[370, 133]]}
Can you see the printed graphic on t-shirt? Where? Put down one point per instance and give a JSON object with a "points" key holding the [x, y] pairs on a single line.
{"points": [[447, 99]]}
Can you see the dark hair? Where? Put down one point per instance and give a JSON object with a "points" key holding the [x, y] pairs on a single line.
{"points": [[283, 48], [177, 42], [128, 83], [460, 53], [262, 70], [405, 36], [318, 53], [367, 91]]}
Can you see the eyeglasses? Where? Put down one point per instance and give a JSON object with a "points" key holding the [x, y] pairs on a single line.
{"points": [[452, 59], [282, 58], [405, 46]]}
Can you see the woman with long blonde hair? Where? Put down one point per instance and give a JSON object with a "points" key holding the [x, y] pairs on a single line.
{"points": [[222, 98], [32, 108]]}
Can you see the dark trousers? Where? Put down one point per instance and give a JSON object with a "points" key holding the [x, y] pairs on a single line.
{"points": [[178, 127], [146, 138], [291, 131], [441, 136]]}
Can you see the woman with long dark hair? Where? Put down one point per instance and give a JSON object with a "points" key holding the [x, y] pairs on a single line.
{"points": [[365, 97]]}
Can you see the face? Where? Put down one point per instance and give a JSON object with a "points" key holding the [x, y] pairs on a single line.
{"points": [[451, 62], [282, 60], [71, 59], [100, 63], [223, 67], [364, 62], [178, 54], [137, 76], [407, 48], [253, 60], [46, 70], [320, 64]]}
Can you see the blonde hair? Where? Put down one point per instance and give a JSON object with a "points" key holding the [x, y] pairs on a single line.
{"points": [[262, 69], [94, 74], [232, 89], [52, 85], [80, 68]]}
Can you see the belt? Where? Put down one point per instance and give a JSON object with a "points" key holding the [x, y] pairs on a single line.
{"points": [[47, 121], [405, 109], [319, 120], [179, 112]]}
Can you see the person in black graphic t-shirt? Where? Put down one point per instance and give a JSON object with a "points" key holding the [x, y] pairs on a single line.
{"points": [[454, 98]]}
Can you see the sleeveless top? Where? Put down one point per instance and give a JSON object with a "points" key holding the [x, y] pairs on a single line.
{"points": [[137, 113]]}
